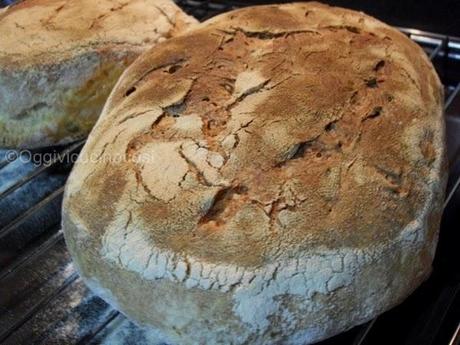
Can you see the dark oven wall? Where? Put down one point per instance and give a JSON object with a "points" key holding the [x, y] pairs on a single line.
{"points": [[442, 16]]}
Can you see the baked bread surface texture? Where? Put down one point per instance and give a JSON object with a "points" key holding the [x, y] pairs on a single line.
{"points": [[59, 60], [273, 176]]}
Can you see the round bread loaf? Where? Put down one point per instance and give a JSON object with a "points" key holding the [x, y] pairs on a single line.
{"points": [[274, 176], [59, 60]]}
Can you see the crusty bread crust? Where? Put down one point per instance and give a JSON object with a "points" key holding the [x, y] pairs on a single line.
{"points": [[275, 175], [59, 60]]}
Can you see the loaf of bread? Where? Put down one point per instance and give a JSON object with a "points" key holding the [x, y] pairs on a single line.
{"points": [[273, 176], [59, 60]]}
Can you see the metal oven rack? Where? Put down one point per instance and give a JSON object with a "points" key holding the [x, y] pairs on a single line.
{"points": [[43, 300]]}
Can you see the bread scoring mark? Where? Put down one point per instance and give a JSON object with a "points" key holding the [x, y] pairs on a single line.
{"points": [[221, 204], [170, 19], [96, 21], [49, 23], [248, 83], [175, 63], [269, 35], [297, 151], [379, 65], [372, 83], [376, 112], [130, 91], [176, 109], [349, 28]]}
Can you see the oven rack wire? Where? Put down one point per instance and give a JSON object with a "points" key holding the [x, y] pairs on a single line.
{"points": [[42, 298]]}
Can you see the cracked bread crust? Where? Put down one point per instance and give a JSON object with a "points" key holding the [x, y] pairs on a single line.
{"points": [[275, 175], [60, 59]]}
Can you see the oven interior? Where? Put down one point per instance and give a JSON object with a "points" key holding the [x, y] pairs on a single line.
{"points": [[43, 300]]}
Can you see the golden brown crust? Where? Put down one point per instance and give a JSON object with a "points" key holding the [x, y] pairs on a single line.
{"points": [[289, 157], [328, 133], [49, 31], [60, 59]]}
